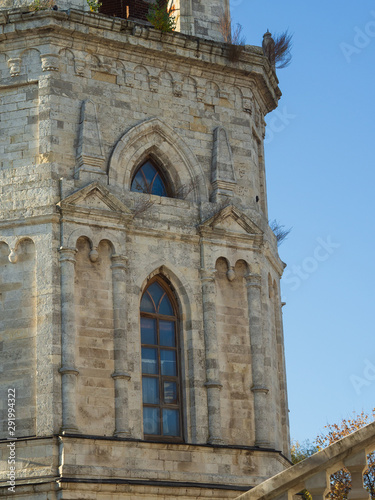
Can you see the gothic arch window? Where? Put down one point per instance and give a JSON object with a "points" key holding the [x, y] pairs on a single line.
{"points": [[149, 179], [161, 391]]}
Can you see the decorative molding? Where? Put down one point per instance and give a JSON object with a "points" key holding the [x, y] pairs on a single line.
{"points": [[95, 202], [121, 375], [90, 157], [50, 62], [213, 384], [253, 279], [14, 65], [260, 388], [223, 178], [13, 257], [232, 222], [68, 370]]}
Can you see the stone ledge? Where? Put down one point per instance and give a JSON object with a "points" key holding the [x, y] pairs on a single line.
{"points": [[118, 32]]}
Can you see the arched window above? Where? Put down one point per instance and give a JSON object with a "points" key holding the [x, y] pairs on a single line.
{"points": [[148, 179], [160, 363]]}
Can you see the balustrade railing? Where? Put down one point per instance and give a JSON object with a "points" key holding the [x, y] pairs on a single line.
{"points": [[313, 474]]}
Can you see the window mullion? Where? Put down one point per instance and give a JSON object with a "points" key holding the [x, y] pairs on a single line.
{"points": [[160, 378]]}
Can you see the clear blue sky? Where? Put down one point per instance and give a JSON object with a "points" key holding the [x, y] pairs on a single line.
{"points": [[321, 181]]}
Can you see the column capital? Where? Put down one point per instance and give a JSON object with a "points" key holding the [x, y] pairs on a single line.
{"points": [[67, 254], [119, 262], [213, 384], [207, 275], [260, 388], [121, 375], [253, 279], [64, 370]]}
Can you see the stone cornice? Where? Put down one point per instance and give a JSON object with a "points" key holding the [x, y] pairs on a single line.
{"points": [[117, 34]]}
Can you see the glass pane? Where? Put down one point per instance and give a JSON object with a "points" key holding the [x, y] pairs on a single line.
{"points": [[158, 187], [171, 422], [138, 183], [148, 331], [148, 180], [167, 336], [168, 362], [151, 420], [170, 393], [156, 292], [146, 303], [149, 361], [166, 307], [149, 172], [150, 390]]}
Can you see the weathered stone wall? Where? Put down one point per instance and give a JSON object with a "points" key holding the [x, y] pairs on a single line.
{"points": [[207, 16], [98, 96], [93, 297], [18, 324], [235, 355]]}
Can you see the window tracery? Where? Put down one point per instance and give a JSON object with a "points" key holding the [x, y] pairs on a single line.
{"points": [[160, 362], [148, 179]]}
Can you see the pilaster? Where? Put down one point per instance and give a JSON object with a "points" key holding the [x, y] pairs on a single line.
{"points": [[259, 388], [120, 376], [212, 384], [68, 368]]}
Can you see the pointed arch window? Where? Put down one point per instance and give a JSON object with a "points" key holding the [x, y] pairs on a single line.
{"points": [[148, 179], [161, 392]]}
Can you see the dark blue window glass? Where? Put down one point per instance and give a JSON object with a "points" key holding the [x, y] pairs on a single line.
{"points": [[147, 304], [148, 331], [160, 361], [167, 335], [148, 180], [168, 362], [151, 420], [171, 422], [165, 307], [170, 393], [150, 361], [150, 390]]}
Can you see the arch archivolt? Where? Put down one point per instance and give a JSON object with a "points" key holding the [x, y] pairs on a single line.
{"points": [[180, 285], [155, 137], [192, 340]]}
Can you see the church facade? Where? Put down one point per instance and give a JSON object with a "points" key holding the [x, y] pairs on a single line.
{"points": [[140, 313]]}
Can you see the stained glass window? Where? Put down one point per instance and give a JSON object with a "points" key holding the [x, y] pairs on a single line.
{"points": [[160, 363]]}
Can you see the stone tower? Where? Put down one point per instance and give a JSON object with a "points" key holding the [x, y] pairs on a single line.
{"points": [[140, 316]]}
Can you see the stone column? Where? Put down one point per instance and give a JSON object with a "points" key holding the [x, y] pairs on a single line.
{"points": [[68, 368], [357, 465], [120, 376], [212, 363], [257, 342], [318, 485]]}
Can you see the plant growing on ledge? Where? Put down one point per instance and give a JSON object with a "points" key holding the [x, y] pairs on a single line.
{"points": [[232, 36], [94, 5], [42, 5], [161, 17], [283, 47]]}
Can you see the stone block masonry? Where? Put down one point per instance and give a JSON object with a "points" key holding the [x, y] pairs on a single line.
{"points": [[86, 101]]}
